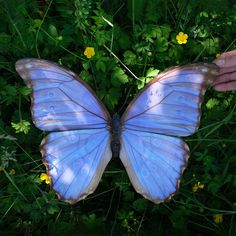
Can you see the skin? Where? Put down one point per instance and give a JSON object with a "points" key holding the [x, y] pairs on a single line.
{"points": [[226, 80]]}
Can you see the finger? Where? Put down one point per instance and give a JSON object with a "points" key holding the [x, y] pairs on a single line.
{"points": [[227, 59], [228, 54], [225, 70], [225, 86], [224, 78]]}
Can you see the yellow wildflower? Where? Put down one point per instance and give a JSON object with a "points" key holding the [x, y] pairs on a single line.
{"points": [[45, 177], [197, 186], [1, 168], [89, 52], [12, 172], [218, 218], [218, 55], [181, 38]]}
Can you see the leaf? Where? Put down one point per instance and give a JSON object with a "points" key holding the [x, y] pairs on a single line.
{"points": [[140, 204], [100, 65], [118, 77], [25, 91], [156, 32], [112, 97], [8, 94], [212, 102], [211, 45], [86, 65], [151, 72], [176, 52], [86, 76], [53, 31], [128, 195], [130, 58], [22, 126], [11, 90], [102, 37], [162, 44], [165, 29], [141, 82], [35, 24], [52, 209], [215, 184], [203, 32]]}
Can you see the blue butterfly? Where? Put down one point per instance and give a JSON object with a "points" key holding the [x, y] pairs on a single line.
{"points": [[84, 136]]}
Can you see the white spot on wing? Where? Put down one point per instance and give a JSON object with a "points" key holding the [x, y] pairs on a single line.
{"points": [[67, 176], [204, 69], [28, 66]]}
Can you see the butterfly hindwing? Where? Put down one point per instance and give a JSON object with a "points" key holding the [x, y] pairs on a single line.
{"points": [[75, 161], [153, 162]]}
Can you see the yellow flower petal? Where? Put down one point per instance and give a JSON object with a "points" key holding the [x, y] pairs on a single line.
{"points": [[89, 52], [197, 186], [12, 172], [181, 38], [201, 186], [45, 177], [218, 218]]}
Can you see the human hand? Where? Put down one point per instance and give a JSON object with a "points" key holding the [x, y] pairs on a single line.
{"points": [[226, 80]]}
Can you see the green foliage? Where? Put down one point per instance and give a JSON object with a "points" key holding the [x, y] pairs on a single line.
{"points": [[22, 126], [133, 40]]}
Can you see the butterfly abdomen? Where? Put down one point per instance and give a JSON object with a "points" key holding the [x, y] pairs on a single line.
{"points": [[116, 132]]}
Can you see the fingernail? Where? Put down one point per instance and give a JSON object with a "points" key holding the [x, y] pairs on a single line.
{"points": [[220, 62]]}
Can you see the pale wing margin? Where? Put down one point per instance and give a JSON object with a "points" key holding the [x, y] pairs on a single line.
{"points": [[154, 163], [75, 161]]}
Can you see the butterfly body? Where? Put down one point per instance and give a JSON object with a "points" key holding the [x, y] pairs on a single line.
{"points": [[115, 134], [83, 136]]}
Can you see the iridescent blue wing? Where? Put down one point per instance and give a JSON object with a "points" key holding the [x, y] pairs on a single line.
{"points": [[153, 162], [60, 99], [76, 156], [75, 161], [168, 105]]}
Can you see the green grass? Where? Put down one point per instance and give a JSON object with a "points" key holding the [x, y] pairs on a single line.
{"points": [[133, 39]]}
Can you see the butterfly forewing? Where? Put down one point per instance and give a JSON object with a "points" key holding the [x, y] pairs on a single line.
{"points": [[60, 99], [170, 104]]}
